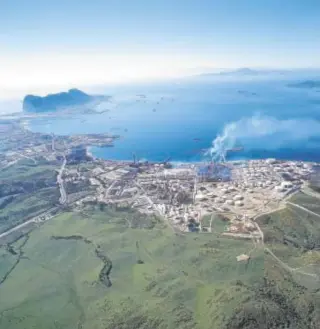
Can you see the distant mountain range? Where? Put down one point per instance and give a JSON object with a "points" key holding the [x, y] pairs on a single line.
{"points": [[295, 73], [59, 101], [245, 72], [307, 84]]}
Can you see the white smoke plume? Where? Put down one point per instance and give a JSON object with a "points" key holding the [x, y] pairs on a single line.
{"points": [[263, 132]]}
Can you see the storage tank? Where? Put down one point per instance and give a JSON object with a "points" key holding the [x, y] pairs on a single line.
{"points": [[238, 197]]}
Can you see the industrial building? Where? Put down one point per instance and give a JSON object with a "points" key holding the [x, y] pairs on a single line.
{"points": [[214, 172]]}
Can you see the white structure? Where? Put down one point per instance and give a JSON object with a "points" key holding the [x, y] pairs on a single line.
{"points": [[286, 185], [238, 197], [271, 161], [200, 197], [279, 188]]}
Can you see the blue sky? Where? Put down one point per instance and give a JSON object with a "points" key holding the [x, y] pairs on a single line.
{"points": [[101, 41]]}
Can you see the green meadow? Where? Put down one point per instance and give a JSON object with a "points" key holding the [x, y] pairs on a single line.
{"points": [[159, 279]]}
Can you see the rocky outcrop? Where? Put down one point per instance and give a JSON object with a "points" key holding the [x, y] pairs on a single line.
{"points": [[55, 102]]}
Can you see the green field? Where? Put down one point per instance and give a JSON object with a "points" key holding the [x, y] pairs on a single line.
{"points": [[159, 279], [56, 283], [26, 190]]}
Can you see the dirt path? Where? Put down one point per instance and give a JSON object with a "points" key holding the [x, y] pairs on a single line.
{"points": [[284, 265], [289, 268], [303, 208]]}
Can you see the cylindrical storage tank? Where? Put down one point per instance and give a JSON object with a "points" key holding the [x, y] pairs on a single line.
{"points": [[238, 197]]}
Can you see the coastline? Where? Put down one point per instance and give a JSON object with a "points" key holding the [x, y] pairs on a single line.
{"points": [[179, 163]]}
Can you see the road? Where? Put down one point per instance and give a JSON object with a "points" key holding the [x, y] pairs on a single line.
{"points": [[195, 190], [310, 192], [148, 199], [30, 221], [303, 208], [4, 234], [26, 157], [63, 194], [284, 265], [289, 268], [109, 188], [157, 210], [9, 165]]}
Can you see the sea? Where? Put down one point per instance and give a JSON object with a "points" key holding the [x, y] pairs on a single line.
{"points": [[198, 119]]}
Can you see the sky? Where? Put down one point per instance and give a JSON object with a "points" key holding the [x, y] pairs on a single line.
{"points": [[46, 45]]}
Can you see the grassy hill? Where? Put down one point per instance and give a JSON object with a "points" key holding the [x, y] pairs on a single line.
{"points": [[158, 279]]}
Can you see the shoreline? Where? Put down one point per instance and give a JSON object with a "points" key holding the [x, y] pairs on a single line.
{"points": [[177, 163]]}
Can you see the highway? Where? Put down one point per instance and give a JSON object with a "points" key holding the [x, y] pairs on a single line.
{"points": [[4, 234], [36, 219], [63, 194]]}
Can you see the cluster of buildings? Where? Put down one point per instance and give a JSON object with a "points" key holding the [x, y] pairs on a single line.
{"points": [[184, 194], [17, 143]]}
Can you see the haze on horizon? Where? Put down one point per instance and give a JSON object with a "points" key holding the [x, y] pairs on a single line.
{"points": [[48, 45]]}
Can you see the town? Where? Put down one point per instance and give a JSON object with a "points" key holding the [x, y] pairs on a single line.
{"points": [[184, 194], [181, 194]]}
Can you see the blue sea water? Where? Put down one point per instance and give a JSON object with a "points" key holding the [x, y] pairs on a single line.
{"points": [[180, 120]]}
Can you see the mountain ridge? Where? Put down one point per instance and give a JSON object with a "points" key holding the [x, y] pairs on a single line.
{"points": [[57, 101]]}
